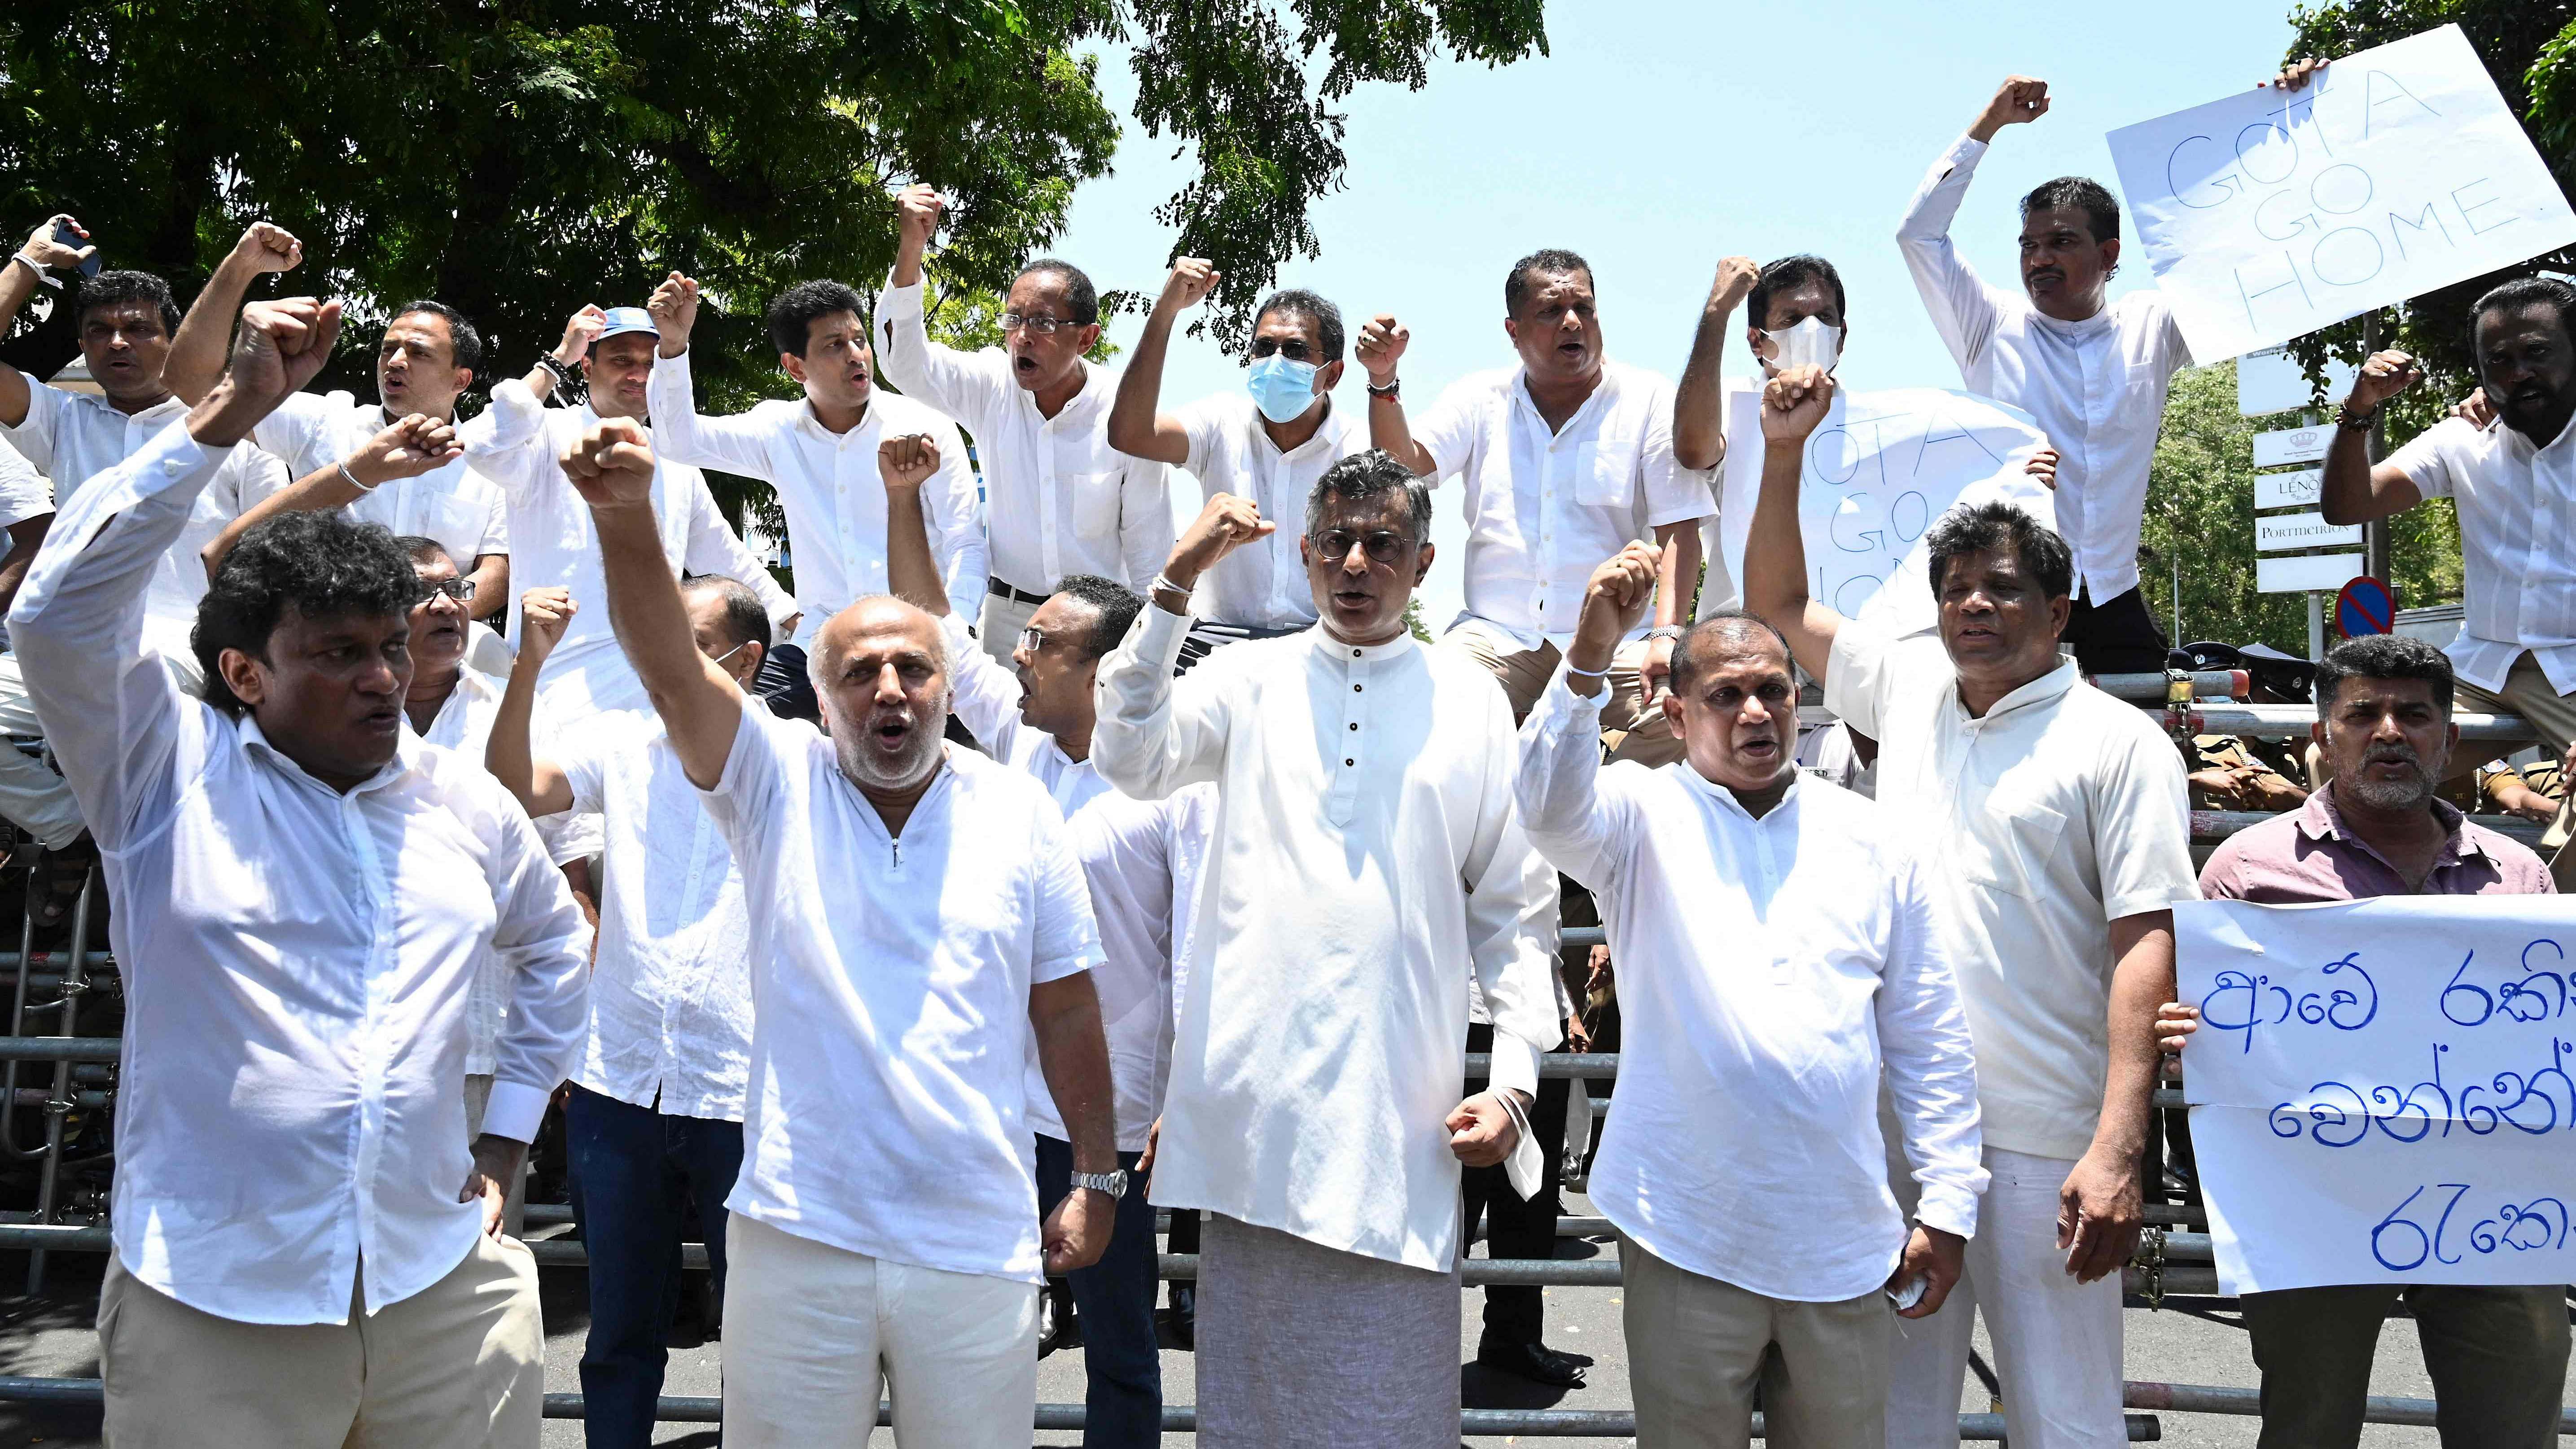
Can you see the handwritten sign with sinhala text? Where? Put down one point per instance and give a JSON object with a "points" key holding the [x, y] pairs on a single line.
{"points": [[2381, 1091], [2397, 170], [1880, 469]]}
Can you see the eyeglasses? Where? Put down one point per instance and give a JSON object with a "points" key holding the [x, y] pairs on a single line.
{"points": [[461, 590], [1294, 349], [1335, 544], [1043, 326], [1032, 640]]}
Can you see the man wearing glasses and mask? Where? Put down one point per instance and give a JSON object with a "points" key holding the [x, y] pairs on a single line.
{"points": [[1268, 444], [1367, 864], [1058, 498]]}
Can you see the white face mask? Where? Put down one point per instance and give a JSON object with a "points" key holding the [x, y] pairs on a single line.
{"points": [[1810, 342]]}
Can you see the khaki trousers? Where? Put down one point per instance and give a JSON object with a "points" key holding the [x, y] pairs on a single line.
{"points": [[459, 1365], [1696, 1347], [1641, 732], [2552, 717]]}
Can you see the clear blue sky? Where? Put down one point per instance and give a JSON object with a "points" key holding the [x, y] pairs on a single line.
{"points": [[1657, 138]]}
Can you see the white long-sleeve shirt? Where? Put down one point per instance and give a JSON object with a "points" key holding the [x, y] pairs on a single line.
{"points": [[670, 992], [890, 999], [75, 437], [1769, 968], [1367, 863], [1262, 584], [553, 542], [297, 959], [452, 503], [2097, 386], [1058, 499], [1140, 858], [1545, 507], [463, 726], [830, 488]]}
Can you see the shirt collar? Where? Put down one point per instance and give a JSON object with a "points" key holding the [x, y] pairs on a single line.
{"points": [[2050, 686], [1332, 648], [2084, 331], [407, 748], [1328, 433], [1726, 799], [1604, 393], [166, 408], [1097, 390], [2321, 819], [813, 426]]}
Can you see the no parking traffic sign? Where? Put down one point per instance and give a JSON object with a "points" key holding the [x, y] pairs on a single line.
{"points": [[2365, 607]]}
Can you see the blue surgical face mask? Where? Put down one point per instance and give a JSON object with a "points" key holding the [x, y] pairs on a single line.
{"points": [[1282, 389]]}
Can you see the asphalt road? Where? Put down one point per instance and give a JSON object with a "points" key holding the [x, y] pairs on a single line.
{"points": [[51, 1336]]}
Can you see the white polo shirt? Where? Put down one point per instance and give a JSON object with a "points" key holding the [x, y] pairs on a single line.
{"points": [[1544, 508], [2057, 812], [2517, 505], [890, 997], [1262, 585]]}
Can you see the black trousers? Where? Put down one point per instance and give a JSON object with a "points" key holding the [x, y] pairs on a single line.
{"points": [[1517, 1227], [2497, 1357], [2115, 636], [784, 685]]}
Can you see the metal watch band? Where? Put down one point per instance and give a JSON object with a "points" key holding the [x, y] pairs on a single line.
{"points": [[1112, 1183]]}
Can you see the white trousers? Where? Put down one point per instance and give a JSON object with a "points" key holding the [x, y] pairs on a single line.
{"points": [[32, 797], [2057, 1342], [812, 1330]]}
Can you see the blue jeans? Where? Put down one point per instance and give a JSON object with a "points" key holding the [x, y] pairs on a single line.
{"points": [[637, 1171], [1114, 1299]]}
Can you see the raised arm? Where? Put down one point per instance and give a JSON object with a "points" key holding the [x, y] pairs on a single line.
{"points": [[1557, 787], [1957, 300], [416, 445], [611, 466], [1135, 427], [1699, 402], [197, 349], [943, 377], [2355, 489], [1380, 347], [953, 505], [541, 786], [1148, 742], [19, 278], [110, 709], [1775, 554], [680, 433]]}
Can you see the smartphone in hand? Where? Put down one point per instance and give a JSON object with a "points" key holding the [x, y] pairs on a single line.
{"points": [[65, 235]]}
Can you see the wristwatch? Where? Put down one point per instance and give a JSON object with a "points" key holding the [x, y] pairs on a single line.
{"points": [[1667, 631], [1112, 1183], [1394, 388]]}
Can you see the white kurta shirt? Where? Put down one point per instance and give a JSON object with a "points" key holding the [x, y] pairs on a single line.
{"points": [[74, 437], [890, 999], [1544, 508], [2058, 812], [2097, 387], [1140, 859], [1058, 499], [452, 503], [1768, 970], [297, 960], [2517, 508], [553, 542], [1262, 585], [1367, 863], [830, 488], [670, 992]]}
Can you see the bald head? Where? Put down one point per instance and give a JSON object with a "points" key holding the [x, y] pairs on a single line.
{"points": [[880, 670], [1727, 634]]}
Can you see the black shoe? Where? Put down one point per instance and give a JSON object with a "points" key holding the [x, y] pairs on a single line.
{"points": [[1057, 1325], [1185, 1316], [1536, 1362]]}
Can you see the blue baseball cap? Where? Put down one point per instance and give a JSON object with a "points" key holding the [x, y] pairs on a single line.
{"points": [[622, 320]]}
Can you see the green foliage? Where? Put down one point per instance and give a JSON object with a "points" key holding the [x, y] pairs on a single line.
{"points": [[518, 158], [2529, 47], [2200, 511]]}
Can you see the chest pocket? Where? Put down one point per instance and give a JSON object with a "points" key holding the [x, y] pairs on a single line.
{"points": [[1093, 498], [457, 523], [2008, 846], [2138, 398], [1605, 475]]}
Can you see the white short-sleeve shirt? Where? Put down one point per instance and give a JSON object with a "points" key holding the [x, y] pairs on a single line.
{"points": [[890, 999], [2517, 505], [1262, 585]]}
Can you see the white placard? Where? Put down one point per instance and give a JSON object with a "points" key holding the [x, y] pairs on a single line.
{"points": [[2303, 530], [2302, 489], [2270, 381], [1880, 468], [2298, 573], [2380, 1090], [2273, 213], [2292, 445]]}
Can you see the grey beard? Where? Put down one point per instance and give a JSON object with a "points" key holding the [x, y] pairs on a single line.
{"points": [[2406, 794], [862, 769]]}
